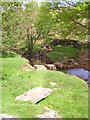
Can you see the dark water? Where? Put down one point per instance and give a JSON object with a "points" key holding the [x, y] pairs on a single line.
{"points": [[79, 72]]}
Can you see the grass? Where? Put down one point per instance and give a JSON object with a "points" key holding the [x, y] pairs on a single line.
{"points": [[36, 48], [62, 51], [10, 54], [69, 97]]}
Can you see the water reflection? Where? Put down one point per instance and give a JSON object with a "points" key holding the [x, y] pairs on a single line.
{"points": [[81, 73]]}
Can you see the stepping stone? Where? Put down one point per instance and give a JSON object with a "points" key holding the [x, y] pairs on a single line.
{"points": [[52, 83], [50, 66], [27, 67], [40, 67], [49, 113], [35, 95], [6, 116]]}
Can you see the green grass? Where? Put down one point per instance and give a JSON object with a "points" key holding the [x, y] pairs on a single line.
{"points": [[36, 48], [69, 99], [61, 52], [10, 54]]}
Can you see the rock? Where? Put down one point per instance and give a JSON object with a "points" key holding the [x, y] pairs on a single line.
{"points": [[49, 113], [46, 49], [6, 116], [66, 64], [31, 67], [50, 66], [27, 67], [35, 95], [70, 66], [52, 83], [59, 65], [40, 67]]}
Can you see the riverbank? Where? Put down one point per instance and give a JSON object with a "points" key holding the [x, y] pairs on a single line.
{"points": [[69, 97]]}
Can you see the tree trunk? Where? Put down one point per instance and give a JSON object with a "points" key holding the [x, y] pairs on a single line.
{"points": [[30, 44]]}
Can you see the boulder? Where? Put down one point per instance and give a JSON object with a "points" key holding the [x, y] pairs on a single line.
{"points": [[59, 65], [49, 113], [40, 67], [70, 66], [35, 95], [50, 66], [26, 67]]}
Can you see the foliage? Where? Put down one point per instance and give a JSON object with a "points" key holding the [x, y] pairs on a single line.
{"points": [[69, 99], [23, 28], [10, 54], [71, 22], [10, 19]]}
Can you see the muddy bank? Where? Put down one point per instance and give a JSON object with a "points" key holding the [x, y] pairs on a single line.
{"points": [[84, 60], [81, 62]]}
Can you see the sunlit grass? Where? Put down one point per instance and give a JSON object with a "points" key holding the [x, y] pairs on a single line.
{"points": [[69, 97]]}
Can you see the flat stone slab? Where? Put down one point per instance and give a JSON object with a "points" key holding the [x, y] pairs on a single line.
{"points": [[6, 116], [49, 113], [35, 95]]}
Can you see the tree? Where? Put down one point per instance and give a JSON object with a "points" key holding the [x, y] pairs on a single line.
{"points": [[37, 25], [10, 20], [71, 21], [22, 28]]}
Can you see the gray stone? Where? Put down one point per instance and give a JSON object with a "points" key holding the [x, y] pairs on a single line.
{"points": [[6, 116], [27, 67], [40, 67], [52, 83], [50, 66], [35, 95], [66, 64], [59, 65], [49, 113]]}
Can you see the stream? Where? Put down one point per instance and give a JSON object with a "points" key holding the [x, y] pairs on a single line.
{"points": [[81, 73]]}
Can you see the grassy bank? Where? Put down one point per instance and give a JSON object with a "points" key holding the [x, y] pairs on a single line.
{"points": [[61, 52], [69, 97]]}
